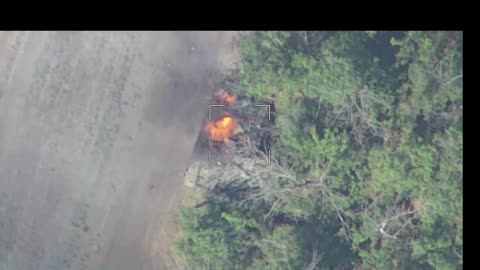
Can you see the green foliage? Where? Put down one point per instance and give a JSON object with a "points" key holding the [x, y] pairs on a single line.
{"points": [[279, 250], [202, 244], [219, 236], [435, 72], [377, 117], [312, 152]]}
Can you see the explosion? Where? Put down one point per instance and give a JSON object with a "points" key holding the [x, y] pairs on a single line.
{"points": [[225, 128], [222, 130]]}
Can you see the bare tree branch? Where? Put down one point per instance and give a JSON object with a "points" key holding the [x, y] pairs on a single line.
{"points": [[316, 259], [454, 79], [278, 201], [382, 225]]}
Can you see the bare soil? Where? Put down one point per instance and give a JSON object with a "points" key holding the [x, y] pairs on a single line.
{"points": [[96, 130]]}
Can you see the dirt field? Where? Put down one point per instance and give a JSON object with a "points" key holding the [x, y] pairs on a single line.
{"points": [[96, 129]]}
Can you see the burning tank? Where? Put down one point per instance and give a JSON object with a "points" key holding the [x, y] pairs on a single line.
{"points": [[223, 151]]}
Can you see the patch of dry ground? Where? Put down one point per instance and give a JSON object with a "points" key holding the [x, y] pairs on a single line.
{"points": [[96, 129]]}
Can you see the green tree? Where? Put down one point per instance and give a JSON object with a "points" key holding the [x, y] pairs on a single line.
{"points": [[370, 131]]}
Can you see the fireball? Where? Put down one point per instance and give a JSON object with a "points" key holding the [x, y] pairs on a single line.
{"points": [[222, 130]]}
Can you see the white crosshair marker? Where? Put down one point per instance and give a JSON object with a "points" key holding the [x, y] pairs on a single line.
{"points": [[210, 110], [268, 106], [262, 105]]}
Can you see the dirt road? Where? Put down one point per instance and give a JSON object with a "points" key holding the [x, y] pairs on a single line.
{"points": [[96, 129]]}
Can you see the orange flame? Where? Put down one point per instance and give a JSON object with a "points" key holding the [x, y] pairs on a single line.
{"points": [[225, 97], [222, 130]]}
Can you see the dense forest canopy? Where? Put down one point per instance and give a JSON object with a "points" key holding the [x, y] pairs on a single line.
{"points": [[374, 122]]}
